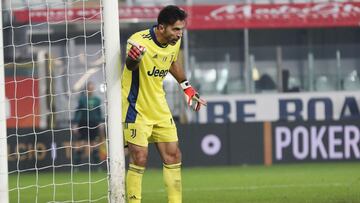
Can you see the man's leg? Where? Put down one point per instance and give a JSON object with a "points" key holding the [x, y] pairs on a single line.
{"points": [[171, 156], [138, 159], [78, 152], [81, 144], [94, 141]]}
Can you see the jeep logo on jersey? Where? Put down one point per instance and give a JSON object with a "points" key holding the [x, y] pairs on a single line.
{"points": [[157, 73]]}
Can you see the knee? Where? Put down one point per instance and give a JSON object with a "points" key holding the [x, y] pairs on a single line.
{"points": [[139, 158], [173, 157]]}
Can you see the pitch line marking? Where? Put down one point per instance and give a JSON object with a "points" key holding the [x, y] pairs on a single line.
{"points": [[254, 187]]}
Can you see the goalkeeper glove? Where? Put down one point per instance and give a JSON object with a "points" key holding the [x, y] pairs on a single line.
{"points": [[192, 97], [136, 51]]}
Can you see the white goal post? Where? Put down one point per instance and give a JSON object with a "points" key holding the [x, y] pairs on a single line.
{"points": [[4, 194], [112, 58], [60, 178]]}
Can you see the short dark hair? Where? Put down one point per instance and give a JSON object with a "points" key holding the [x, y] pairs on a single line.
{"points": [[170, 14]]}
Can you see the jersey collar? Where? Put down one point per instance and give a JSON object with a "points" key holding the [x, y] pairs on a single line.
{"points": [[153, 36]]}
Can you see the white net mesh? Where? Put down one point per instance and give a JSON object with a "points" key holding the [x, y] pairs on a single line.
{"points": [[55, 91]]}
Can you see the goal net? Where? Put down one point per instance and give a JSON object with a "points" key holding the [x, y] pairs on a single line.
{"points": [[61, 69]]}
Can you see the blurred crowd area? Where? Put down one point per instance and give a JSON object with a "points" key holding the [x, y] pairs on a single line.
{"points": [[217, 61]]}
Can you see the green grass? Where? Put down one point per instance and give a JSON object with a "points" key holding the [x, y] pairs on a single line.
{"points": [[297, 183]]}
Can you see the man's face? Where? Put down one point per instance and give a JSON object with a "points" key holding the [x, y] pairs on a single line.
{"points": [[90, 88], [172, 33]]}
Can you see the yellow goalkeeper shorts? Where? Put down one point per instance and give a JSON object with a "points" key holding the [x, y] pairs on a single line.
{"points": [[142, 134]]}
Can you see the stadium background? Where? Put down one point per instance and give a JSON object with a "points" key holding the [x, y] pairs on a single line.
{"points": [[268, 61]]}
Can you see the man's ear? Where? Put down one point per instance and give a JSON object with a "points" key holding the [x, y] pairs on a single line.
{"points": [[161, 27]]}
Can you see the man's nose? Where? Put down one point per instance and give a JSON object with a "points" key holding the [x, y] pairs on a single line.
{"points": [[179, 34]]}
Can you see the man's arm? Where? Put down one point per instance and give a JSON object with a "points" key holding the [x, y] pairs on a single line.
{"points": [[78, 114], [134, 55], [79, 110], [131, 64], [177, 71]]}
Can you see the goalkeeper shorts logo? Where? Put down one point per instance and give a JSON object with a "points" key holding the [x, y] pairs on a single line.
{"points": [[133, 133]]}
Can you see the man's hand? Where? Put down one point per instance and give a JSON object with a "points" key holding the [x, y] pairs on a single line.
{"points": [[136, 51], [75, 129], [192, 97]]}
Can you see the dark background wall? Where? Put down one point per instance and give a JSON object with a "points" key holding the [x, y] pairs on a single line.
{"points": [[207, 145]]}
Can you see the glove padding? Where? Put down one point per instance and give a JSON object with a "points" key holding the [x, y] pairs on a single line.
{"points": [[192, 97], [136, 51]]}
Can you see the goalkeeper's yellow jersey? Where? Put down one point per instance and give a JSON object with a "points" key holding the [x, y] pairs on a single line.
{"points": [[143, 96]]}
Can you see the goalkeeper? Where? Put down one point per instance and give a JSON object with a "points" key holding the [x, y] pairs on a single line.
{"points": [[151, 55]]}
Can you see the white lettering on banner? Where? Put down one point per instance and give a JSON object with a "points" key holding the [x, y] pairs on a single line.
{"points": [[53, 150], [334, 141], [286, 107], [283, 140], [211, 144], [300, 135], [316, 142], [343, 142], [316, 10], [352, 138]]}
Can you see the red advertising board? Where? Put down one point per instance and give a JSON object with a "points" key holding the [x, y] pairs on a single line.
{"points": [[225, 16], [330, 14], [22, 95]]}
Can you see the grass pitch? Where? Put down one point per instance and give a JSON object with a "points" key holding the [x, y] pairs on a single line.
{"points": [[294, 183]]}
